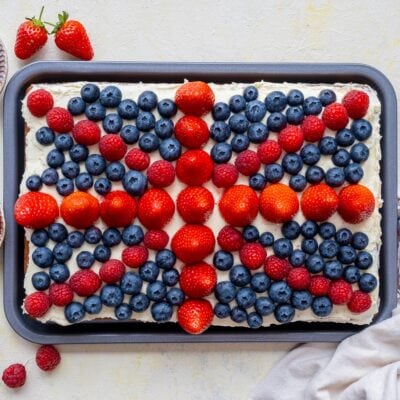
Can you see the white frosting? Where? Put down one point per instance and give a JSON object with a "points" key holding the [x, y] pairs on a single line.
{"points": [[36, 163]]}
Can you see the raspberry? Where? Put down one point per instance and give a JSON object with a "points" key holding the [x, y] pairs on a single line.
{"points": [[112, 271], [60, 294], [247, 162], [137, 159], [112, 147], [291, 139], [230, 239], [335, 116], [356, 103], [161, 173], [252, 255], [47, 357], [225, 175], [340, 292], [192, 132], [313, 128], [86, 132], [298, 278], [269, 151], [135, 256], [319, 285], [277, 268], [359, 302], [60, 120], [36, 304], [14, 376], [85, 282], [156, 239], [40, 102]]}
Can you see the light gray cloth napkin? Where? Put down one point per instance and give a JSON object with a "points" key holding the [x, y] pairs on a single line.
{"points": [[365, 366]]}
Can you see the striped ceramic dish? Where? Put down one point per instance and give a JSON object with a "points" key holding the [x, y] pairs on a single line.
{"points": [[3, 65]]}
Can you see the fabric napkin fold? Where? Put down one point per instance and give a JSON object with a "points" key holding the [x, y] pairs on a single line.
{"points": [[365, 366]]}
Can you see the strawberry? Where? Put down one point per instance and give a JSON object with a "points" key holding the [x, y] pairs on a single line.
{"points": [[40, 102], [195, 98], [239, 205], [14, 376], [112, 147], [192, 132], [192, 243], [161, 173], [84, 282], [137, 159], [247, 162], [298, 278], [291, 138], [356, 103], [80, 210], [35, 210], [60, 120], [359, 302], [335, 116], [47, 357], [112, 271], [155, 209], [277, 268], [156, 239], [135, 256], [86, 132], [230, 239], [195, 204], [31, 37], [71, 37], [319, 285], [225, 175], [340, 292], [313, 128], [194, 167], [278, 203], [195, 315], [37, 304], [252, 255], [198, 280], [269, 151], [356, 203], [60, 294], [118, 209], [319, 202]]}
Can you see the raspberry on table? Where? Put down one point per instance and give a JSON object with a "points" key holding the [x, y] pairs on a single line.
{"points": [[47, 357], [14, 376]]}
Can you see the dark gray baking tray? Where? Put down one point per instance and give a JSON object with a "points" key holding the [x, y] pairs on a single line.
{"points": [[131, 332]]}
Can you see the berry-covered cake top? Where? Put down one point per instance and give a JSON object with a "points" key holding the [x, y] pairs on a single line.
{"points": [[205, 204]]}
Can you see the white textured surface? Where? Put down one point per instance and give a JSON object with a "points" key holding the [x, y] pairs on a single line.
{"points": [[225, 30]]}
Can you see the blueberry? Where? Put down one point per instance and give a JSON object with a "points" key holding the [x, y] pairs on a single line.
{"points": [[123, 312], [327, 230], [315, 263], [95, 111], [57, 232], [245, 297], [132, 234], [238, 314], [145, 121], [361, 129], [139, 302], [167, 108], [78, 153], [149, 271], [43, 257], [309, 246], [90, 92], [237, 103], [149, 142], [55, 158], [112, 123], [343, 236], [85, 259], [328, 248], [59, 273], [165, 259], [156, 291], [63, 142], [131, 283], [284, 313], [65, 186], [257, 181], [295, 115], [240, 275], [315, 174], [310, 154], [128, 109], [295, 97], [135, 183], [254, 320], [95, 164], [297, 258], [276, 122], [222, 310], [250, 93], [45, 136], [326, 97], [70, 169], [273, 172], [170, 277], [345, 137], [367, 283], [302, 299], [225, 292], [175, 297], [264, 306], [238, 123], [102, 186], [360, 241], [250, 233], [335, 177], [359, 153], [49, 176], [129, 134], [164, 128], [291, 230], [74, 312], [363, 260], [75, 239], [292, 163], [34, 183], [260, 282], [275, 101], [341, 158], [40, 280], [351, 274], [312, 106], [309, 229], [333, 269], [93, 235], [257, 133], [115, 171], [110, 96], [283, 248], [161, 312], [39, 237], [62, 252], [111, 295], [327, 145], [92, 304], [353, 173], [84, 181], [240, 143], [255, 110], [321, 306], [266, 239], [76, 105], [297, 183], [111, 237], [170, 149], [221, 153], [223, 260], [102, 253], [221, 111], [147, 100], [280, 292]]}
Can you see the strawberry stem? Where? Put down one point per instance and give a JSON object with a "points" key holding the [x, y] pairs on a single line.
{"points": [[41, 13], [38, 21], [62, 18]]}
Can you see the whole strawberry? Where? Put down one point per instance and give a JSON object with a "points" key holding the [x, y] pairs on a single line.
{"points": [[47, 357], [195, 98], [195, 204], [118, 209], [31, 37], [198, 280], [14, 376], [195, 315], [71, 36]]}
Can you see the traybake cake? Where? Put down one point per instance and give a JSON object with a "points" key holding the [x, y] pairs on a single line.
{"points": [[207, 204]]}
